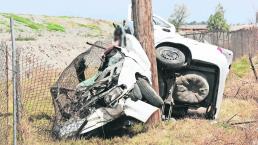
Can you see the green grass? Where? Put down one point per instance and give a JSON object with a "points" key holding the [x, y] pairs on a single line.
{"points": [[90, 26], [95, 30], [65, 17], [3, 23], [4, 26], [241, 67], [55, 27], [27, 22]]}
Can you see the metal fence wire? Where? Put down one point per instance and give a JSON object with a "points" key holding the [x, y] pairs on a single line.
{"points": [[37, 79], [4, 100], [241, 42]]}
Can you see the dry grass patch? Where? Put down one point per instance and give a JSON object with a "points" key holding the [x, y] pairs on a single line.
{"points": [[186, 131]]}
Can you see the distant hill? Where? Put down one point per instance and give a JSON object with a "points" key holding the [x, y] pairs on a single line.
{"points": [[56, 40]]}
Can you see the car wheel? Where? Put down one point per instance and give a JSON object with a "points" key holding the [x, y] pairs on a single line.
{"points": [[192, 87], [170, 57], [162, 85], [148, 93], [136, 93]]}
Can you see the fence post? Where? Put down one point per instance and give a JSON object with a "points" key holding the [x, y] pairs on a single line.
{"points": [[15, 72]]}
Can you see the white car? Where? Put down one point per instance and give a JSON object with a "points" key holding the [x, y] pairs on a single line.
{"points": [[191, 72]]}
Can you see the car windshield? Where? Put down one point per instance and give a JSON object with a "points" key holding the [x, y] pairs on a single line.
{"points": [[159, 22]]}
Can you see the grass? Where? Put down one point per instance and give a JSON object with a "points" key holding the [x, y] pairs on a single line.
{"points": [[184, 131], [188, 131], [27, 22], [25, 38], [90, 26], [95, 30], [55, 27], [67, 17], [35, 26], [241, 67]]}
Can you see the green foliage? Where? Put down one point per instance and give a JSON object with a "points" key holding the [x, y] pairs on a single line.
{"points": [[27, 22], [55, 27], [179, 15], [217, 21], [241, 67], [197, 23]]}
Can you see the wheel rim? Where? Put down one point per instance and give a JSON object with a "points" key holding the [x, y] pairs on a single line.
{"points": [[170, 55]]}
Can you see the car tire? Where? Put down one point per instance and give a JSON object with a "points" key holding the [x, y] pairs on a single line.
{"points": [[149, 93], [162, 85], [136, 93], [192, 87], [170, 57]]}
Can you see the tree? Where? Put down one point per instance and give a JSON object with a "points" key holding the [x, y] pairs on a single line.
{"points": [[196, 23], [179, 15], [142, 18], [217, 21]]}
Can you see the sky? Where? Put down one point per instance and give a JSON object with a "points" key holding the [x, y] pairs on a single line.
{"points": [[236, 11]]}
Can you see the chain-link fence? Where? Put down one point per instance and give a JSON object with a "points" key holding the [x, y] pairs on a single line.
{"points": [[36, 79], [241, 42], [4, 95]]}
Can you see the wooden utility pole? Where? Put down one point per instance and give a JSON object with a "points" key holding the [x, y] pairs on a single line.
{"points": [[143, 29]]}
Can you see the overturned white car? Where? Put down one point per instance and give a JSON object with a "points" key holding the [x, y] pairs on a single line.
{"points": [[92, 92], [196, 71]]}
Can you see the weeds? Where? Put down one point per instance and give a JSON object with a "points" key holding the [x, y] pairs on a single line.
{"points": [[55, 27], [241, 67], [95, 30], [90, 26], [67, 17], [26, 38]]}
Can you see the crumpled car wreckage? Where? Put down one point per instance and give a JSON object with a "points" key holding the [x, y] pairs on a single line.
{"points": [[121, 86], [92, 92]]}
